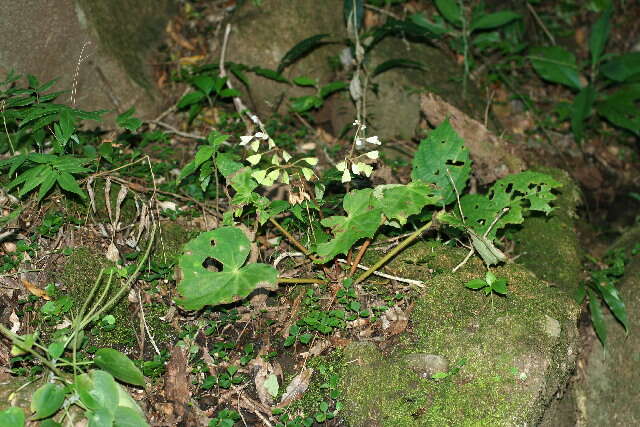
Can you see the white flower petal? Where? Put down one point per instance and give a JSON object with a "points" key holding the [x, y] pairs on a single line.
{"points": [[244, 140], [373, 140]]}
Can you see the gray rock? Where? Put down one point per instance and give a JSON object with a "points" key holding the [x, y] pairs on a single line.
{"points": [[46, 39], [426, 365]]}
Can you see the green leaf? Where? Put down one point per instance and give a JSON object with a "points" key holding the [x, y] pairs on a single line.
{"points": [[398, 202], [46, 400], [623, 67], [500, 286], [127, 417], [190, 99], [205, 152], [362, 220], [68, 183], [486, 249], [450, 10], [493, 20], [102, 417], [614, 302], [476, 284], [442, 150], [118, 365], [227, 164], [48, 423], [204, 83], [305, 81], [556, 65], [305, 103], [332, 87], [581, 110], [200, 287], [46, 184], [525, 190], [396, 63], [599, 36], [39, 175], [620, 108], [127, 121], [55, 349], [422, 22], [301, 49], [270, 74], [12, 417], [597, 316], [97, 390]]}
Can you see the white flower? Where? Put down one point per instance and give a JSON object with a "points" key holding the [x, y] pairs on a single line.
{"points": [[244, 140], [373, 140], [261, 135], [359, 141], [356, 122], [372, 154]]}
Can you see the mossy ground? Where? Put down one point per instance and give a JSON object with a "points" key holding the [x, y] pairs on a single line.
{"points": [[548, 245], [80, 273], [514, 361]]}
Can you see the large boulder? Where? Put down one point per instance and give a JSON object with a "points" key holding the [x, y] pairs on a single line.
{"points": [[515, 353], [48, 39], [262, 35]]}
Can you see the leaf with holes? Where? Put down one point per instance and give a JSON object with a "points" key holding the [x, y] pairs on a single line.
{"points": [[398, 202], [362, 220], [515, 193], [200, 286], [443, 150]]}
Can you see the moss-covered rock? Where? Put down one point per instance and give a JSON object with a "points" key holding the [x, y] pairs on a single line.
{"points": [[80, 272], [548, 245], [516, 351]]}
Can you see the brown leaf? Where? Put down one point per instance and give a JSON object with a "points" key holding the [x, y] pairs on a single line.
{"points": [[297, 387], [34, 289]]}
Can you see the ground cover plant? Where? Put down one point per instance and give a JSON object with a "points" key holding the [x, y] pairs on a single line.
{"points": [[274, 221]]}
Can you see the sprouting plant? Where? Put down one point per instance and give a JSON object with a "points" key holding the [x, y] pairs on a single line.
{"points": [[490, 284], [601, 287], [606, 84], [104, 401]]}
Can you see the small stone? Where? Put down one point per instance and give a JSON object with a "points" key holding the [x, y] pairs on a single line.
{"points": [[551, 327], [427, 365]]}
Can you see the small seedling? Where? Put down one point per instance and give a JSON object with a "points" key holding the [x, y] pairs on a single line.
{"points": [[489, 284]]}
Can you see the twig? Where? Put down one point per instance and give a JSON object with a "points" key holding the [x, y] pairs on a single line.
{"points": [[395, 251], [539, 21], [386, 276], [359, 256], [292, 239], [146, 327], [237, 102], [173, 130]]}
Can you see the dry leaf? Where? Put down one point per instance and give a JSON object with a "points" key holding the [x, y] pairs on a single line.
{"points": [[297, 387], [34, 289], [112, 254], [394, 321], [15, 322], [261, 377]]}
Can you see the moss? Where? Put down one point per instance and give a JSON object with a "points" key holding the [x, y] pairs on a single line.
{"points": [[514, 364], [548, 245]]}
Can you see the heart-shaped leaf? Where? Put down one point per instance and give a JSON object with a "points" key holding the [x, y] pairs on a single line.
{"points": [[200, 286]]}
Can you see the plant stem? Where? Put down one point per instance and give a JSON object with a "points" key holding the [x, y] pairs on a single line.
{"points": [[292, 239], [406, 242], [301, 280], [359, 256]]}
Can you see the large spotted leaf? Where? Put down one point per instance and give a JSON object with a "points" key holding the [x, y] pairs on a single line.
{"points": [[199, 286], [398, 201], [362, 220]]}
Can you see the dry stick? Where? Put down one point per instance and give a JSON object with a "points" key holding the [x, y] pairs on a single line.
{"points": [[539, 21], [385, 275], [359, 256], [292, 239], [394, 252]]}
